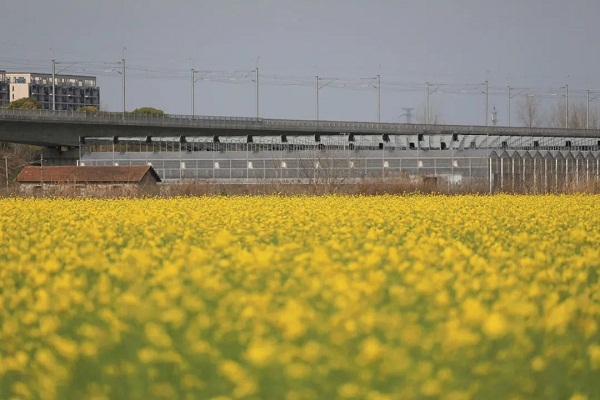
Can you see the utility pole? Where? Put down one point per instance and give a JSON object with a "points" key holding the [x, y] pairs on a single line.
{"points": [[257, 87], [378, 98], [42, 170], [193, 92], [587, 113], [257, 98], [6, 157], [486, 102], [123, 73], [509, 106], [317, 87], [427, 104], [567, 106], [53, 81], [317, 95]]}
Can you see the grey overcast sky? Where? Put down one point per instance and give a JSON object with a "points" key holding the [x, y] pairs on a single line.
{"points": [[535, 46]]}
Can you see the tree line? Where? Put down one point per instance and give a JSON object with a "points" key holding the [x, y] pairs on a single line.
{"points": [[531, 114], [30, 103]]}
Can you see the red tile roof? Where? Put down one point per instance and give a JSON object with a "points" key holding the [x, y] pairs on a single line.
{"points": [[64, 174]]}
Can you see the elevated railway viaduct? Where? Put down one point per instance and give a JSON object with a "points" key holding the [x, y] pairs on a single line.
{"points": [[230, 148]]}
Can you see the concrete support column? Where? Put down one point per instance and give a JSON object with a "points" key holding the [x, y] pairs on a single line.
{"points": [[490, 173], [534, 176], [513, 174], [180, 164], [556, 173], [523, 163], [502, 174], [577, 172], [566, 173], [545, 175], [587, 171]]}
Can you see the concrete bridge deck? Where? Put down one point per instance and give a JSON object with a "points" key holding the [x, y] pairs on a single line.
{"points": [[66, 128]]}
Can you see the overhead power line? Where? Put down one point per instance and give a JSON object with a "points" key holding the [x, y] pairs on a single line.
{"points": [[239, 77]]}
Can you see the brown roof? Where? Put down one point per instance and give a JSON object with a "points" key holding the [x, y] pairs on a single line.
{"points": [[121, 174]]}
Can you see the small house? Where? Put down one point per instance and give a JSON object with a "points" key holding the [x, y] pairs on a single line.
{"points": [[85, 179]]}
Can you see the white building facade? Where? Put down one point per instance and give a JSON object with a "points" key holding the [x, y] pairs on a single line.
{"points": [[72, 91], [4, 89]]}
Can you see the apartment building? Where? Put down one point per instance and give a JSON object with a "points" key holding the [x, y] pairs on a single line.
{"points": [[4, 89], [72, 91]]}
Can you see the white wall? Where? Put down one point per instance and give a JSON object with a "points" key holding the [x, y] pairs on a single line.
{"points": [[18, 90]]}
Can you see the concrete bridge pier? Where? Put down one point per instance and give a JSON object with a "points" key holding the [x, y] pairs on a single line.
{"points": [[60, 155]]}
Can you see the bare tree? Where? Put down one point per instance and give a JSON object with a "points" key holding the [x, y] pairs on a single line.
{"points": [[326, 169], [529, 111], [555, 117], [594, 118], [578, 116]]}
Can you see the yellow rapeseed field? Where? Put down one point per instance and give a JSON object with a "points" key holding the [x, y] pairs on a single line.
{"points": [[415, 297]]}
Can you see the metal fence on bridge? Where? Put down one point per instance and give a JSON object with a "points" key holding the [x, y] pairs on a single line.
{"points": [[278, 126]]}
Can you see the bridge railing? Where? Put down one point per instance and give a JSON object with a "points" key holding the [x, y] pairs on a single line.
{"points": [[102, 116], [398, 128], [279, 126]]}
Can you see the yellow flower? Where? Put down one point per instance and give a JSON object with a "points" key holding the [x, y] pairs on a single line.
{"points": [[431, 388], [370, 349], [157, 335], [297, 371], [376, 297], [349, 391], [578, 396], [65, 347], [495, 326], [594, 354], [260, 352], [538, 364], [473, 311]]}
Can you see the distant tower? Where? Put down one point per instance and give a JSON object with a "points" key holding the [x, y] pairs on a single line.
{"points": [[494, 116], [408, 114]]}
